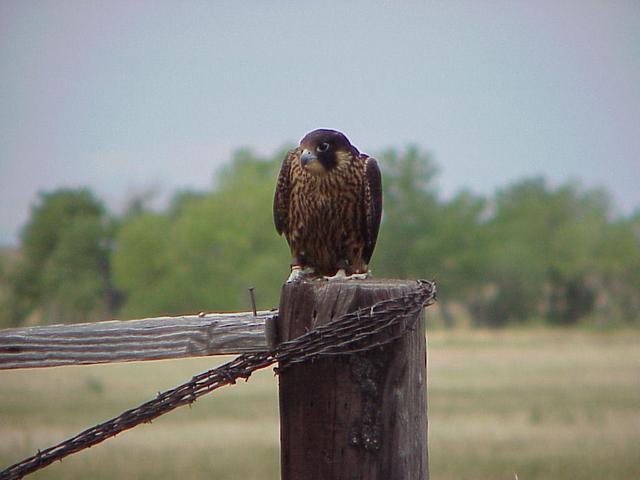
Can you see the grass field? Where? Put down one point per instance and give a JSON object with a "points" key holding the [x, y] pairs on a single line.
{"points": [[539, 404]]}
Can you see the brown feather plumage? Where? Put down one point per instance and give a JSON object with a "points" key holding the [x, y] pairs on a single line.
{"points": [[330, 219]]}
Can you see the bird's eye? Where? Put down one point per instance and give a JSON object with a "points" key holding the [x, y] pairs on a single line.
{"points": [[323, 147]]}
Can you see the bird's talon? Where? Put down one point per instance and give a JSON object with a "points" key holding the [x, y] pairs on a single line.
{"points": [[297, 273], [340, 275], [358, 276]]}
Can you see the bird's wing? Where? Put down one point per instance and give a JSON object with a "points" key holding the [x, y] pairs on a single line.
{"points": [[281, 197], [372, 205]]}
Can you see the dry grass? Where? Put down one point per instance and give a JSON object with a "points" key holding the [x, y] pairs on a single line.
{"points": [[539, 404]]}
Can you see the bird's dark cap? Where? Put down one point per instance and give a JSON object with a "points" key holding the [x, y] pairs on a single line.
{"points": [[337, 140]]}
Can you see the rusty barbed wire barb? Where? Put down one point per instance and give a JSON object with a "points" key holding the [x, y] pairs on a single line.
{"points": [[358, 331]]}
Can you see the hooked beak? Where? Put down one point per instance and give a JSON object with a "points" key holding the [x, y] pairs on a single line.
{"points": [[307, 157]]}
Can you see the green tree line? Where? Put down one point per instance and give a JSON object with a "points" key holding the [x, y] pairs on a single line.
{"points": [[531, 251]]}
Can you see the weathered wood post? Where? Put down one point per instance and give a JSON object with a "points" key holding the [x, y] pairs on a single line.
{"points": [[361, 416]]}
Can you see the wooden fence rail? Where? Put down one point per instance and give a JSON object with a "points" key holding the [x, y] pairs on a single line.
{"points": [[134, 340]]}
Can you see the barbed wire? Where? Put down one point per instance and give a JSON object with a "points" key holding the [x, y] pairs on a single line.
{"points": [[361, 330]]}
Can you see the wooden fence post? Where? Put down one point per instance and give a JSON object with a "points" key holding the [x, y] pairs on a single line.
{"points": [[361, 416]]}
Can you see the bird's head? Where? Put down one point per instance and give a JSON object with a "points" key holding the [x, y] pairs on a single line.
{"points": [[323, 150]]}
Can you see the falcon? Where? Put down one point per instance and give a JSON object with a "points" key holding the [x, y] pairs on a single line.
{"points": [[328, 205]]}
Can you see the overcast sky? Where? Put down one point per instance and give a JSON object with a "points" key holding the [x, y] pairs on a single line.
{"points": [[128, 95]]}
